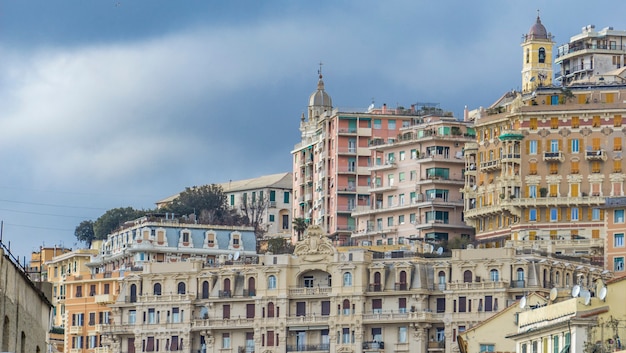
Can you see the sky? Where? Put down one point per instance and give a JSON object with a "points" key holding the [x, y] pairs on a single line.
{"points": [[117, 103]]}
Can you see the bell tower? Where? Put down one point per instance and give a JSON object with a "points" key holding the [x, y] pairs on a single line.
{"points": [[537, 57]]}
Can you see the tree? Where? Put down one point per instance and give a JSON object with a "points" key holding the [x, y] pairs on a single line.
{"points": [[84, 232], [196, 199], [300, 225], [114, 218], [253, 211]]}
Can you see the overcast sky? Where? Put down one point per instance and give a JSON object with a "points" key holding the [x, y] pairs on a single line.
{"points": [[115, 103]]}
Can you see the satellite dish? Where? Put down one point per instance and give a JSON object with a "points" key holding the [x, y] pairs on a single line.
{"points": [[440, 251], [587, 296], [236, 257], [432, 248], [575, 291], [554, 293], [602, 294], [522, 303], [230, 256], [474, 187]]}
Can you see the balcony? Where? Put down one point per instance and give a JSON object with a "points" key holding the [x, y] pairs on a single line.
{"points": [[518, 284], [373, 346], [225, 294], [375, 287], [553, 201], [348, 131], [394, 317], [249, 292], [553, 156], [307, 319], [382, 188], [322, 347], [512, 158], [346, 170], [347, 151], [76, 330], [223, 323], [309, 291], [490, 166], [104, 298], [597, 155], [382, 166], [436, 346], [482, 285], [401, 286]]}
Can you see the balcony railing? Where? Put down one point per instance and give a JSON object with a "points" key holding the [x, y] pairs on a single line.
{"points": [[553, 156], [490, 165], [298, 291], [598, 155], [225, 294], [325, 347], [518, 284], [373, 345]]}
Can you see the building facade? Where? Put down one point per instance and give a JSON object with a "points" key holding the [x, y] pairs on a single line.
{"points": [[614, 250], [24, 310], [545, 163], [415, 183], [269, 196], [591, 54], [319, 299]]}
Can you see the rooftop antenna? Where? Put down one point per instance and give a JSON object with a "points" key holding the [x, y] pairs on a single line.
{"points": [[319, 72]]}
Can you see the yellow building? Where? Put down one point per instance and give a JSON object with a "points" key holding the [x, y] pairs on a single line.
{"points": [[36, 267], [321, 300], [545, 160]]}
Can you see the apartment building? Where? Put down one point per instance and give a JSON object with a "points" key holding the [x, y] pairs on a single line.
{"points": [[88, 281], [544, 162], [270, 194], [36, 267], [614, 249], [319, 299], [415, 184], [591, 54], [332, 161]]}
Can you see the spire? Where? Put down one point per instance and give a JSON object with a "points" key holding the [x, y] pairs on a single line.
{"points": [[320, 83]]}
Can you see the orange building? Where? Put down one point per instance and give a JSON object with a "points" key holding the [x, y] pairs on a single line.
{"points": [[614, 249]]}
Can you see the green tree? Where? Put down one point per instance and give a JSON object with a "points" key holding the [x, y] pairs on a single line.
{"points": [[84, 232], [114, 218], [299, 225], [196, 199]]}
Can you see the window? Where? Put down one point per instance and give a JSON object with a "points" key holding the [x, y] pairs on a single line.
{"points": [[532, 214], [271, 217], [574, 169], [532, 168], [618, 216], [494, 275], [286, 197], [157, 289], [390, 221], [574, 145], [596, 121], [574, 214], [271, 282], [618, 264], [413, 154], [79, 291], [391, 124], [232, 199], [377, 306], [176, 315], [554, 214], [487, 348], [412, 218], [132, 316], [377, 124], [554, 123], [595, 214], [618, 240], [532, 146], [542, 55], [226, 340], [402, 155], [347, 279], [533, 123], [151, 316], [402, 334], [401, 219], [617, 121], [617, 166], [226, 311], [181, 288], [401, 176], [107, 288]]}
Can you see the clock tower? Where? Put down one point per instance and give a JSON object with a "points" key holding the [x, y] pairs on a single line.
{"points": [[537, 61]]}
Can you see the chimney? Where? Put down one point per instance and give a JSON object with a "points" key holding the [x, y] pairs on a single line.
{"points": [[384, 108], [465, 114]]}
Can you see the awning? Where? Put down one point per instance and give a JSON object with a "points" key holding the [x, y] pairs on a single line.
{"points": [[565, 349]]}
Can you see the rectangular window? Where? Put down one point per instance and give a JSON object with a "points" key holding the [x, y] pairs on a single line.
{"points": [[617, 166], [617, 121], [402, 334], [575, 146], [618, 240], [412, 218], [532, 191], [271, 218], [574, 214], [226, 340], [132, 316], [554, 214], [532, 147], [595, 214], [575, 122], [532, 214], [488, 348], [286, 197], [232, 199], [401, 219], [532, 168], [402, 155], [413, 154], [596, 121], [533, 123], [378, 124], [554, 123], [441, 305], [574, 169], [391, 124], [618, 264], [595, 167], [617, 144], [618, 216], [401, 176]]}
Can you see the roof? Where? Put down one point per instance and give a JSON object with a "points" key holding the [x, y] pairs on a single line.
{"points": [[537, 30], [276, 181], [513, 306]]}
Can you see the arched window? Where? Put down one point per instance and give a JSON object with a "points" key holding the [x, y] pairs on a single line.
{"points": [[226, 284], [527, 55], [557, 279], [403, 279], [133, 293], [542, 55], [567, 280], [520, 274], [347, 279], [251, 286], [205, 290], [271, 282], [494, 275], [181, 288], [442, 277], [270, 309], [157, 289], [346, 307], [467, 276]]}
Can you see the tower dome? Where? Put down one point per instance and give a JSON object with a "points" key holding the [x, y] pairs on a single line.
{"points": [[320, 98], [537, 31]]}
